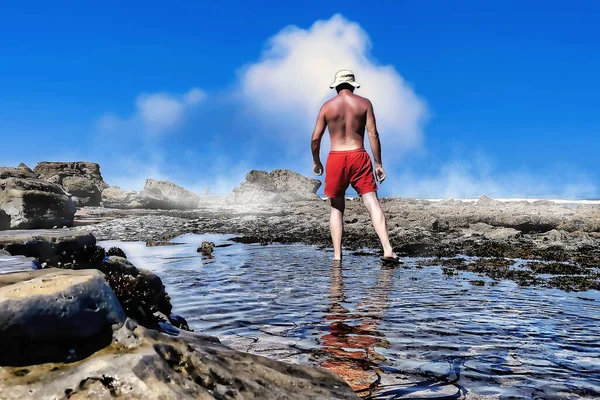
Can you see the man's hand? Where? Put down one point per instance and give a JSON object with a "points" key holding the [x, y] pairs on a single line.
{"points": [[379, 173], [318, 168]]}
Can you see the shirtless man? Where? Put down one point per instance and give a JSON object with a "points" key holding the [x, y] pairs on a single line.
{"points": [[348, 163]]}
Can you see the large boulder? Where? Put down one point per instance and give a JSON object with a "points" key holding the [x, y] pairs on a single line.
{"points": [[292, 186], [156, 195], [82, 179], [32, 203], [55, 316], [141, 293], [280, 185], [114, 197], [4, 220], [22, 171], [88, 194], [52, 247], [167, 195], [145, 364]]}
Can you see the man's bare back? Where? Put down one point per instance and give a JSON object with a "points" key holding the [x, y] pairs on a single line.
{"points": [[346, 117]]}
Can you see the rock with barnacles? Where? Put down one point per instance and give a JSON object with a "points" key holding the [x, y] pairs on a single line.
{"points": [[206, 248]]}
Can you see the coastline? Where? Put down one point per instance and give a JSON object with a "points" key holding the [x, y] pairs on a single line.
{"points": [[487, 229]]}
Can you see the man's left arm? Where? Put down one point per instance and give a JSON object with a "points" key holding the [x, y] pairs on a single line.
{"points": [[315, 144]]}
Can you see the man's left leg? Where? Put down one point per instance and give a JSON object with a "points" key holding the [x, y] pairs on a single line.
{"points": [[378, 218], [336, 225]]}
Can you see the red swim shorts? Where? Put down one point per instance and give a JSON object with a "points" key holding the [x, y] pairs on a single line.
{"points": [[352, 167]]}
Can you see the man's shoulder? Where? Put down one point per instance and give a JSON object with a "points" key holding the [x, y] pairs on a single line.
{"points": [[363, 99]]}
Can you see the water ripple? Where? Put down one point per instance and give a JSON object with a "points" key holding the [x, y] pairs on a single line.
{"points": [[404, 332]]}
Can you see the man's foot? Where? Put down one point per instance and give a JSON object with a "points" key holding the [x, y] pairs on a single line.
{"points": [[393, 258]]}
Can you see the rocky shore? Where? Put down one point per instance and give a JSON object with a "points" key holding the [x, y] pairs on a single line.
{"points": [[77, 321], [85, 323], [564, 237]]}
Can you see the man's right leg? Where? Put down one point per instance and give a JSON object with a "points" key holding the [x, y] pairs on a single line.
{"points": [[336, 225], [372, 204]]}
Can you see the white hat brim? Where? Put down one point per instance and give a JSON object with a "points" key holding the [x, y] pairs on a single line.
{"points": [[336, 84]]}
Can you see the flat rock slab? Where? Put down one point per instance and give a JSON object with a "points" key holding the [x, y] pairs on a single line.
{"points": [[50, 235], [9, 263], [145, 364], [45, 244]]}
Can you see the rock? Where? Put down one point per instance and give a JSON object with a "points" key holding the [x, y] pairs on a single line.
{"points": [[116, 251], [500, 234], [114, 197], [56, 171], [140, 292], [50, 246], [82, 179], [156, 195], [206, 248], [145, 364], [4, 220], [33, 204], [10, 263], [261, 187], [485, 201], [167, 195], [294, 187], [86, 191], [55, 315], [554, 236], [22, 171]]}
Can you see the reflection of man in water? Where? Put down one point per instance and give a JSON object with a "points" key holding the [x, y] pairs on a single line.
{"points": [[350, 349], [348, 163]]}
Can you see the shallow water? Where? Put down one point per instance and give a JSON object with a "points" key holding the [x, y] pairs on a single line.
{"points": [[411, 332]]}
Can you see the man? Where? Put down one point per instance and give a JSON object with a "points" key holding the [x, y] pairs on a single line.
{"points": [[348, 163]]}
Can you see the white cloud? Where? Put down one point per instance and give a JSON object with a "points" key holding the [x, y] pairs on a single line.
{"points": [[474, 177], [155, 113], [291, 81], [194, 96]]}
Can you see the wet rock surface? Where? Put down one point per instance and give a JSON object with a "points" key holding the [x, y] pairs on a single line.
{"points": [[568, 233], [4, 220], [142, 363], [140, 292], [54, 315], [33, 204], [63, 334], [10, 263], [279, 185], [52, 247]]}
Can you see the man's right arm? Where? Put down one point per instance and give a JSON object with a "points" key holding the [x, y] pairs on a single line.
{"points": [[374, 142], [315, 144]]}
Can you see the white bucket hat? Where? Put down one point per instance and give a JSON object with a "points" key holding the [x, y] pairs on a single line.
{"points": [[344, 76]]}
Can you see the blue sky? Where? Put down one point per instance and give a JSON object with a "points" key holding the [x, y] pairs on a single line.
{"points": [[475, 98]]}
